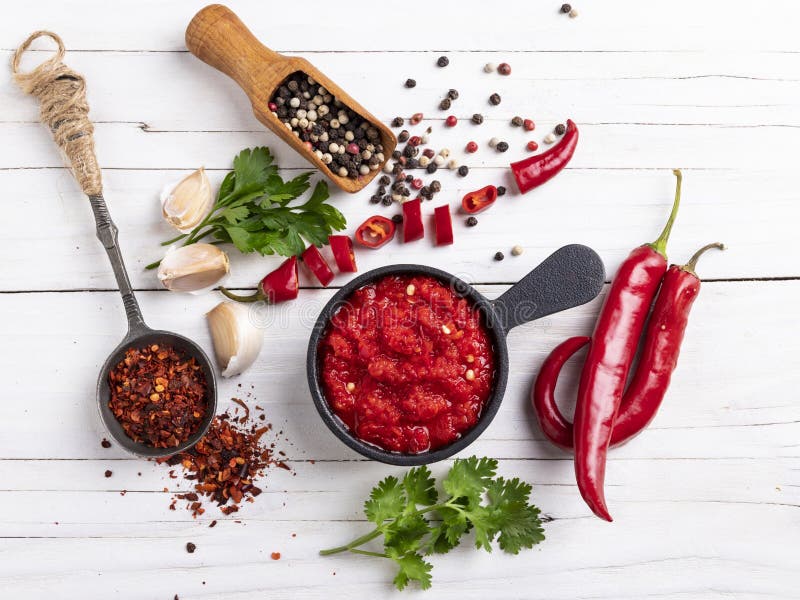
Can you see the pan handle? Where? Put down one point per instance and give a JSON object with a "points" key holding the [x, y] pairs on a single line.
{"points": [[570, 276]]}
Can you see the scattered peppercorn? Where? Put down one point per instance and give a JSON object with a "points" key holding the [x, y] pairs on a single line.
{"points": [[416, 118], [549, 138], [398, 122], [397, 219], [472, 147], [477, 118], [573, 13], [501, 190], [387, 200], [463, 170], [451, 121], [452, 94], [443, 61], [105, 443], [403, 136], [431, 168], [495, 99], [529, 125], [488, 68], [374, 199], [517, 250], [504, 69], [472, 221], [532, 146], [499, 256], [565, 8], [436, 186], [190, 547], [516, 122], [108, 473], [445, 104], [561, 129], [385, 180], [410, 83], [502, 146], [493, 142]]}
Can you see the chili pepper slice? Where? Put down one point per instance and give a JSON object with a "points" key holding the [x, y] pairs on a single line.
{"points": [[314, 260], [342, 248], [479, 200], [444, 225], [375, 232], [535, 170], [412, 220], [614, 342], [278, 286]]}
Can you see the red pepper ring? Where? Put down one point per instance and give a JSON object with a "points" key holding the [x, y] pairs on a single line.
{"points": [[479, 200], [278, 286], [342, 248], [540, 168], [375, 232]]}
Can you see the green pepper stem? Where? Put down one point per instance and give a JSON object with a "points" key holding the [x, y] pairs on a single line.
{"points": [[355, 543], [690, 266], [254, 298], [660, 245]]}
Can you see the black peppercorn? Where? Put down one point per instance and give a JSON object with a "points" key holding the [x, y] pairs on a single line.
{"points": [[374, 199], [431, 168], [385, 179], [565, 8], [499, 256], [190, 547], [472, 221], [495, 99], [409, 178], [410, 83], [425, 192], [403, 136], [436, 186], [516, 121], [381, 190], [387, 201], [444, 104], [502, 146], [501, 190], [477, 118], [397, 122], [463, 170], [452, 94], [561, 129], [396, 154], [397, 219], [443, 61]]}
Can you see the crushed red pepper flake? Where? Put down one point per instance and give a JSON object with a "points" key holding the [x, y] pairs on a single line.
{"points": [[275, 556], [158, 395]]}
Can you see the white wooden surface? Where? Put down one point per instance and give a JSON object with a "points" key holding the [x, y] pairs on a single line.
{"points": [[706, 501]]}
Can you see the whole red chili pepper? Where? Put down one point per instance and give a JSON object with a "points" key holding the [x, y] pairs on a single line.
{"points": [[535, 170], [614, 342], [278, 286]]}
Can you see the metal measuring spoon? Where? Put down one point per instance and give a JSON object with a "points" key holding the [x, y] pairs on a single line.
{"points": [[62, 95]]}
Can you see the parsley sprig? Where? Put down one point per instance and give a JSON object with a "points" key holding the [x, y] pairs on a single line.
{"points": [[494, 508], [252, 210]]}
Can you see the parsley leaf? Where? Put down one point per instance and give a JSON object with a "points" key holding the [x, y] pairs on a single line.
{"points": [[494, 508]]}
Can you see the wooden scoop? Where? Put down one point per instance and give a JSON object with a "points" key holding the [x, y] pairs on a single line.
{"points": [[218, 38]]}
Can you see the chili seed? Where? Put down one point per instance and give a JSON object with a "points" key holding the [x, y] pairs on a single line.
{"points": [[495, 99], [108, 473], [501, 190], [477, 118], [403, 136], [463, 170], [469, 375], [472, 221], [472, 147], [190, 547], [443, 61], [416, 118], [561, 129], [516, 122], [451, 121], [444, 104], [397, 219], [499, 256], [410, 83], [452, 94], [504, 69], [532, 146], [501, 147], [488, 68], [517, 250], [565, 8], [398, 122]]}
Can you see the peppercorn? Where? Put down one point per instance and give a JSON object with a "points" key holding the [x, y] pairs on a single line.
{"points": [[488, 68], [516, 122], [397, 154], [452, 94], [495, 99], [444, 104], [504, 69], [387, 200], [397, 121], [472, 221], [499, 256], [190, 547], [397, 219], [573, 13], [403, 136], [471, 147], [561, 129], [385, 180], [477, 118], [463, 170], [565, 8], [431, 168], [501, 146], [517, 250], [374, 199], [105, 443], [415, 118], [410, 83], [549, 138], [493, 142], [443, 61], [451, 121], [108, 473], [532, 146], [501, 190]]}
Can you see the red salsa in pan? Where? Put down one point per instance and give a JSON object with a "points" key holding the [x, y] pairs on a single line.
{"points": [[407, 364]]}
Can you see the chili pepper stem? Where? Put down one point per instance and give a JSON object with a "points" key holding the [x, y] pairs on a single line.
{"points": [[690, 266], [253, 298], [660, 245]]}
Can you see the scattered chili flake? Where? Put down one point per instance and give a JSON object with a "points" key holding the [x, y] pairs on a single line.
{"points": [[275, 556], [108, 473], [105, 443], [158, 395], [190, 547], [241, 403]]}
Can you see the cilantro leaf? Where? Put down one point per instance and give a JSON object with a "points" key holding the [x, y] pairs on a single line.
{"points": [[469, 477], [420, 486], [412, 568], [386, 500], [405, 533], [517, 522]]}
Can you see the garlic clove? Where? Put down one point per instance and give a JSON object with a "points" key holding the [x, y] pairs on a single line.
{"points": [[193, 268], [237, 340], [186, 203]]}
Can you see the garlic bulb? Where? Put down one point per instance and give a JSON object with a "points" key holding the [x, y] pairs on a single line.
{"points": [[237, 340], [193, 268], [188, 202]]}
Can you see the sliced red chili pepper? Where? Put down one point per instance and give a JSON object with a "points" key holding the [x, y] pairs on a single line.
{"points": [[314, 260], [342, 248], [412, 220], [444, 225], [278, 286], [536, 170], [375, 232], [479, 200]]}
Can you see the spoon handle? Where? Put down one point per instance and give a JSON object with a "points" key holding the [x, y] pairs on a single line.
{"points": [[108, 234]]}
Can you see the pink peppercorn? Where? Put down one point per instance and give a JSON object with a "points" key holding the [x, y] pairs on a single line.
{"points": [[353, 148], [417, 184], [415, 118], [504, 69], [472, 147], [429, 153], [415, 140], [532, 146], [451, 121], [272, 106], [529, 125]]}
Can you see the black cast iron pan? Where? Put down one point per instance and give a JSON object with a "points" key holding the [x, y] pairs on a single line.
{"points": [[571, 276]]}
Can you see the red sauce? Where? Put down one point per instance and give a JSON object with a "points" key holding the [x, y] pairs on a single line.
{"points": [[408, 372]]}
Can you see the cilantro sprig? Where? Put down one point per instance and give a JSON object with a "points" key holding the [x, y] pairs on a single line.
{"points": [[415, 522], [252, 210]]}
